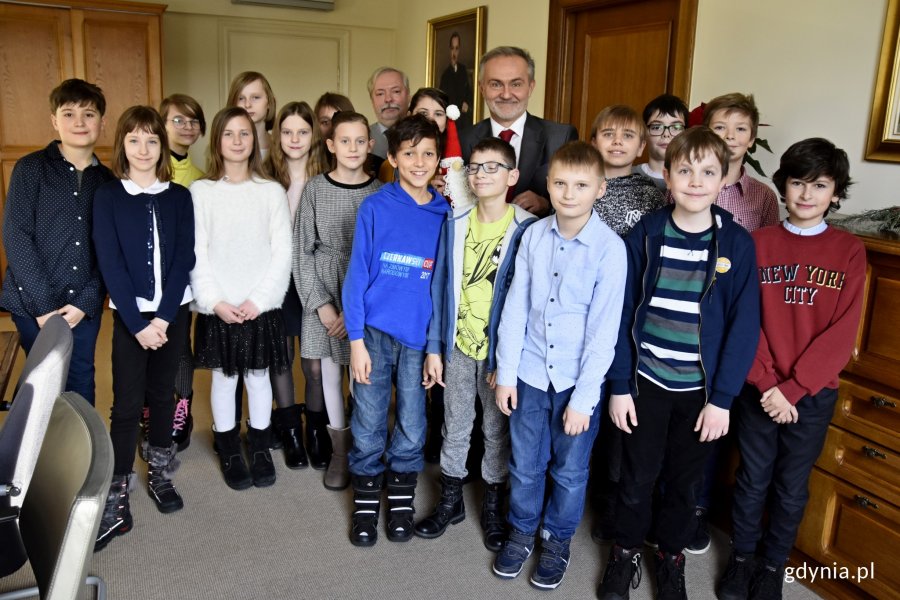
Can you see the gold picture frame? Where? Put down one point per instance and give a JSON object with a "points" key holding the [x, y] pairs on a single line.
{"points": [[883, 142], [469, 26]]}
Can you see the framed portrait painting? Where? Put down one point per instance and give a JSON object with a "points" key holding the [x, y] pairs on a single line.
{"points": [[455, 45], [883, 142]]}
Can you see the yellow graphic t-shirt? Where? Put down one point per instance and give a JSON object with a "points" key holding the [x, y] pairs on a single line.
{"points": [[481, 257]]}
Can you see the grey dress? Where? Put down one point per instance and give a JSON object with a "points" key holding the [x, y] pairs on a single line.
{"points": [[323, 238]]}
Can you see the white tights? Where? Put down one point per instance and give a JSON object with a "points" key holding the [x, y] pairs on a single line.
{"points": [[333, 392], [259, 398]]}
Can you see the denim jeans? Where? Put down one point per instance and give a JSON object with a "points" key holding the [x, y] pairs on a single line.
{"points": [[369, 423], [84, 343], [539, 442]]}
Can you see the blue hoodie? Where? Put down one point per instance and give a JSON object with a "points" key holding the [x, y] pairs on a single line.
{"points": [[388, 284]]}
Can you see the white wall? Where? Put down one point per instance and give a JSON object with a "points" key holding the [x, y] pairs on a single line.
{"points": [[811, 66]]}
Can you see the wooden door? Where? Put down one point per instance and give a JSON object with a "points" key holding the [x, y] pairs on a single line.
{"points": [[604, 52]]}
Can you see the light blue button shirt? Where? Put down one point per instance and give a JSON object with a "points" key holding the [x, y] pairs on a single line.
{"points": [[561, 318]]}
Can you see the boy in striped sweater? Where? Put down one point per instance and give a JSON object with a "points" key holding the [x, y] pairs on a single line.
{"points": [[690, 323]]}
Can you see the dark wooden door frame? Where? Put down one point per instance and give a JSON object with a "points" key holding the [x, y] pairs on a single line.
{"points": [[558, 90]]}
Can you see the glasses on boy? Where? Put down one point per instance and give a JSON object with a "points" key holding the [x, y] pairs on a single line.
{"points": [[489, 167], [182, 123], [657, 129]]}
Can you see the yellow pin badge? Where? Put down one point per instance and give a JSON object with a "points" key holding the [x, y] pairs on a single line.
{"points": [[723, 265]]}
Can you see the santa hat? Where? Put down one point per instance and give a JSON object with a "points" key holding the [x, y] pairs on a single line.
{"points": [[452, 148]]}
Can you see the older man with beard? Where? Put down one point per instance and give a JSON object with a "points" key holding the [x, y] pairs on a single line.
{"points": [[389, 91], [506, 81]]}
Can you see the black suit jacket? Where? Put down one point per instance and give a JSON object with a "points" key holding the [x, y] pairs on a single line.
{"points": [[540, 139]]}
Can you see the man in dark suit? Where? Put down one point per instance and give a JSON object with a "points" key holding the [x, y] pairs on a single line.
{"points": [[455, 83], [506, 81]]}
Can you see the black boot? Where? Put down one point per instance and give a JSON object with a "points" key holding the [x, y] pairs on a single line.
{"points": [[182, 422], [450, 509], [492, 522], [366, 506], [401, 489], [318, 442], [623, 573], [262, 469], [116, 519], [287, 422], [227, 445], [161, 464]]}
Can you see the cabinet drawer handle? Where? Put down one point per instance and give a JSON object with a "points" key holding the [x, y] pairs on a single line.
{"points": [[873, 453], [864, 502], [881, 402]]}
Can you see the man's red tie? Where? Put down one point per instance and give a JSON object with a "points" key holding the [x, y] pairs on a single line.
{"points": [[506, 135]]}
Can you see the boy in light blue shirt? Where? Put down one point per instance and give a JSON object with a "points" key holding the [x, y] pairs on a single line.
{"points": [[556, 341]]}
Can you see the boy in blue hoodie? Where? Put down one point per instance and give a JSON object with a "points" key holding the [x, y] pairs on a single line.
{"points": [[474, 268], [387, 307], [690, 323]]}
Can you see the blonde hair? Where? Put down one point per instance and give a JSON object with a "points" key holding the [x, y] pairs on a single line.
{"points": [[244, 79]]}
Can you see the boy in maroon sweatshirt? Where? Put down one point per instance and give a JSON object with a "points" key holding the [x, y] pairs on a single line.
{"points": [[811, 279]]}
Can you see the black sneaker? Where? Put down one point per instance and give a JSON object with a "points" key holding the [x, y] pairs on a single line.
{"points": [[700, 541], [670, 576], [735, 583], [510, 560], [623, 573], [552, 565], [767, 582]]}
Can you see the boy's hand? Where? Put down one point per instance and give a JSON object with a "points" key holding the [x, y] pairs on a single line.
{"points": [[712, 423], [228, 313], [536, 205], [506, 399], [248, 310], [43, 318], [360, 362], [150, 338], [492, 380], [72, 314], [777, 406], [438, 183], [575, 423], [433, 371], [337, 329], [621, 411]]}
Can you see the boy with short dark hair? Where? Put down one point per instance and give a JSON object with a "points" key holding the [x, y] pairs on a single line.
{"points": [[620, 135], [665, 116], [472, 274], [557, 336], [51, 265], [735, 118], [811, 277], [387, 307], [673, 381]]}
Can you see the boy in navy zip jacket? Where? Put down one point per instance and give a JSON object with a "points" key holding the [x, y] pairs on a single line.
{"points": [[474, 267], [690, 323]]}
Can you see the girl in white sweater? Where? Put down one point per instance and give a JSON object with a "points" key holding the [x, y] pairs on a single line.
{"points": [[243, 248]]}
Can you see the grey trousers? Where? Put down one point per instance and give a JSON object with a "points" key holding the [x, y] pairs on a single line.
{"points": [[466, 380]]}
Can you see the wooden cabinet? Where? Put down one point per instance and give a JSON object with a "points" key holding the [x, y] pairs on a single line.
{"points": [[116, 45], [853, 516]]}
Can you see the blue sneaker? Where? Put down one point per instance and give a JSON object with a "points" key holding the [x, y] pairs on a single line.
{"points": [[512, 557], [553, 563]]}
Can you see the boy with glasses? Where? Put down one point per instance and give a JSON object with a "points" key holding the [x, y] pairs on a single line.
{"points": [[472, 274], [665, 116]]}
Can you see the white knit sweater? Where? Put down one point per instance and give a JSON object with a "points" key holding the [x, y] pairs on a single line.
{"points": [[242, 243]]}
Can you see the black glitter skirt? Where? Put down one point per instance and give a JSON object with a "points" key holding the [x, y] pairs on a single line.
{"points": [[239, 347]]}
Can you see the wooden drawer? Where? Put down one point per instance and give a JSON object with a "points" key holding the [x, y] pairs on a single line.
{"points": [[870, 411], [847, 527], [863, 463]]}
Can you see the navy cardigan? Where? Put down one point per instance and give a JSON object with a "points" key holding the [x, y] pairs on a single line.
{"points": [[123, 239]]}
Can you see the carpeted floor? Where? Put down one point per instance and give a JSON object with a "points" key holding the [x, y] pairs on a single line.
{"points": [[289, 541]]}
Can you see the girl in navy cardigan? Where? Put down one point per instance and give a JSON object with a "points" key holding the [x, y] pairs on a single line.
{"points": [[144, 238]]}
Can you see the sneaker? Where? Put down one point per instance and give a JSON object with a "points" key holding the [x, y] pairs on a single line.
{"points": [[700, 541], [512, 557], [735, 583], [553, 563], [767, 582], [623, 573], [670, 576]]}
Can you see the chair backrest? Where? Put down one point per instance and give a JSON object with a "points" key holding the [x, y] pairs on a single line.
{"points": [[43, 378], [62, 511]]}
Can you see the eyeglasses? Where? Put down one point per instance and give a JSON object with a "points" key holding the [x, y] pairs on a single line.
{"points": [[489, 167], [657, 129], [182, 123]]}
